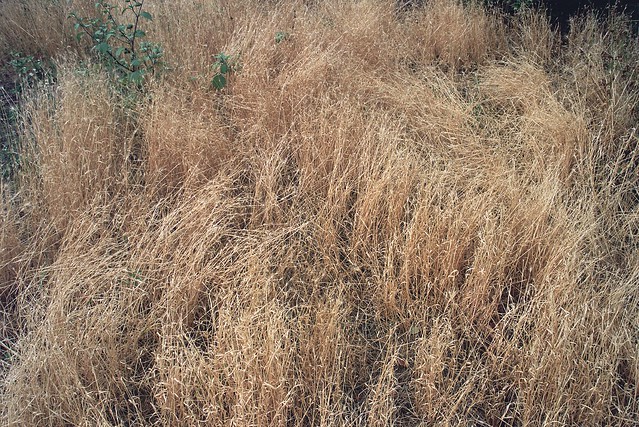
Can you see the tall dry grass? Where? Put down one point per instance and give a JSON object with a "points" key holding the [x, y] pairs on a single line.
{"points": [[425, 218], [35, 27]]}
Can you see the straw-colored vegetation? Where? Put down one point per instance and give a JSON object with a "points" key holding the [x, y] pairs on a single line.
{"points": [[416, 218]]}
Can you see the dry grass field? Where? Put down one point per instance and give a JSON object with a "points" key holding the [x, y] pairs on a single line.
{"points": [[419, 218]]}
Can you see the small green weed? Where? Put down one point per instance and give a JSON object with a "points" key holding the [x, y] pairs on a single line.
{"points": [[29, 70], [134, 278], [519, 5], [223, 66], [280, 36]]}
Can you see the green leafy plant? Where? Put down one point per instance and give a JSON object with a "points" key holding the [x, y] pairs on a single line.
{"points": [[223, 66], [27, 67], [518, 5], [9, 157], [29, 70], [26, 71], [280, 36], [117, 37]]}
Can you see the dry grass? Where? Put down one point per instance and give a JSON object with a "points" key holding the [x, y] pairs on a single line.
{"points": [[34, 27], [426, 218]]}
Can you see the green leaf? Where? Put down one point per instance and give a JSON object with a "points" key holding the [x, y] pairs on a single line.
{"points": [[146, 15], [219, 81], [136, 76], [119, 51], [102, 47], [224, 68], [139, 33]]}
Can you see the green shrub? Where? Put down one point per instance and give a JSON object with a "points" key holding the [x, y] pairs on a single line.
{"points": [[119, 43], [29, 69]]}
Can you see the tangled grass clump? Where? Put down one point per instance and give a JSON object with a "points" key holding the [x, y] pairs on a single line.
{"points": [[425, 219]]}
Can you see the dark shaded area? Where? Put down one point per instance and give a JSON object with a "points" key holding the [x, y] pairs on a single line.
{"points": [[8, 137], [560, 11]]}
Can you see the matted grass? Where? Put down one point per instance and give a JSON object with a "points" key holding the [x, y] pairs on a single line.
{"points": [[416, 218]]}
